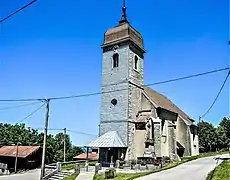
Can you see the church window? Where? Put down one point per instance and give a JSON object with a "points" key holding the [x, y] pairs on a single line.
{"points": [[135, 62], [115, 60]]}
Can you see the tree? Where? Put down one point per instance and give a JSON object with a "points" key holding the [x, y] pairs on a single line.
{"points": [[225, 124], [207, 136], [14, 134]]}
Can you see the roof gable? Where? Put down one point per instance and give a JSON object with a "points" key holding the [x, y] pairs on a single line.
{"points": [[163, 102]]}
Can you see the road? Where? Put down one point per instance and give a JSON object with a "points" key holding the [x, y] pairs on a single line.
{"points": [[197, 169], [31, 175]]}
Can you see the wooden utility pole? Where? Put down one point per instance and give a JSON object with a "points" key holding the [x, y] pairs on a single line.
{"points": [[16, 159], [44, 140], [64, 143]]}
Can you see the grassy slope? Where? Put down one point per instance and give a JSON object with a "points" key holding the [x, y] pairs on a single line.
{"points": [[222, 172], [72, 177], [123, 176]]}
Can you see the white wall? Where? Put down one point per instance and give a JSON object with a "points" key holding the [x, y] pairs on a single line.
{"points": [[194, 145], [164, 140], [139, 143]]}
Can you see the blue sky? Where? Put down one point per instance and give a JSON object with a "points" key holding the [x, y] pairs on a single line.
{"points": [[53, 48]]}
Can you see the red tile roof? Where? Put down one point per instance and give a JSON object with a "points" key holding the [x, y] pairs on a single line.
{"points": [[91, 156], [23, 151]]}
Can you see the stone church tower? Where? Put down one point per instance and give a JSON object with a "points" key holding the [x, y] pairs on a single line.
{"points": [[122, 81]]}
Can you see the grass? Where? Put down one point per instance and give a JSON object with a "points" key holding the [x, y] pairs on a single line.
{"points": [[131, 176], [71, 177], [222, 172], [68, 167]]}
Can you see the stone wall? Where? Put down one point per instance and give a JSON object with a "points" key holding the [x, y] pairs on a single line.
{"points": [[114, 81], [165, 140], [171, 138], [139, 143], [194, 144], [181, 130], [187, 151], [117, 117], [157, 136], [114, 117], [135, 94]]}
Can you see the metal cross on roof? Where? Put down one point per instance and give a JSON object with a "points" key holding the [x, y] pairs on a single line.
{"points": [[124, 16]]}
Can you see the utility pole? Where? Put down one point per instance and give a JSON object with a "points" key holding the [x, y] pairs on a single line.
{"points": [[64, 143], [16, 160], [44, 139]]}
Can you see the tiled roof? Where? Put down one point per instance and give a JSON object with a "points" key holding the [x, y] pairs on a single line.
{"points": [[91, 156], [163, 102], [23, 151], [109, 139]]}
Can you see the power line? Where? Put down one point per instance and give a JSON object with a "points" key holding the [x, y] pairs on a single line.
{"points": [[18, 106], [152, 84], [33, 112], [188, 77], [78, 132], [73, 131], [217, 95], [98, 93], [7, 17]]}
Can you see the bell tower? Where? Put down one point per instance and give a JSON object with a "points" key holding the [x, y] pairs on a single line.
{"points": [[122, 79]]}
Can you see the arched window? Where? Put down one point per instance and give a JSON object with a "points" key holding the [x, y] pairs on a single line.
{"points": [[135, 62], [115, 60]]}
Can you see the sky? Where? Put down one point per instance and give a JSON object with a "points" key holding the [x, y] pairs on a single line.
{"points": [[52, 48]]}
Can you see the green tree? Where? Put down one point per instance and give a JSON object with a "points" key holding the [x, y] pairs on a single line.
{"points": [[18, 133], [207, 136]]}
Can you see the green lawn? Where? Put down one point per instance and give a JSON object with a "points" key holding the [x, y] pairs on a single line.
{"points": [[222, 172], [72, 177], [131, 176], [67, 167]]}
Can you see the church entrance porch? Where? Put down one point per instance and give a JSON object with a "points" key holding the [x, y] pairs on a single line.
{"points": [[108, 156], [110, 147]]}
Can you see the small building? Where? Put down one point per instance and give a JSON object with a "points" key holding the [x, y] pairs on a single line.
{"points": [[92, 156], [28, 157]]}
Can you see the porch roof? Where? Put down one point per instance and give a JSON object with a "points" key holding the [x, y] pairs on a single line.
{"points": [[108, 140]]}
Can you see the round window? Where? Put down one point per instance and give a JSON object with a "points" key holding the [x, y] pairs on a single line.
{"points": [[114, 102]]}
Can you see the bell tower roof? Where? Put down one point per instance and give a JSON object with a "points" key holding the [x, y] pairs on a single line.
{"points": [[123, 32]]}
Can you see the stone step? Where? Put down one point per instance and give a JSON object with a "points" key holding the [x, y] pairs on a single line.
{"points": [[60, 175]]}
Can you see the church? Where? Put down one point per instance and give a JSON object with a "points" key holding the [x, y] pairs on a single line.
{"points": [[135, 120]]}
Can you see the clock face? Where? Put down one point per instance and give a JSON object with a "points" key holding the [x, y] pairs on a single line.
{"points": [[114, 102]]}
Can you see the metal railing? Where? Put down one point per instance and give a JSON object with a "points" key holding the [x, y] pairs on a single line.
{"points": [[55, 168]]}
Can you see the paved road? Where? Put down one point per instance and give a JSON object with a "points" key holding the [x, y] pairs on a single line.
{"points": [[31, 175], [193, 170]]}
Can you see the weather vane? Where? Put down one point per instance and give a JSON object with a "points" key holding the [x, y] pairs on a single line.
{"points": [[124, 16]]}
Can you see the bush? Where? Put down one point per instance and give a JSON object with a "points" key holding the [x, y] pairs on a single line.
{"points": [[110, 173]]}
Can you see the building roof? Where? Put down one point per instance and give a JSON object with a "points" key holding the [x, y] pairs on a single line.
{"points": [[92, 156], [109, 139], [163, 102], [23, 151], [123, 32]]}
